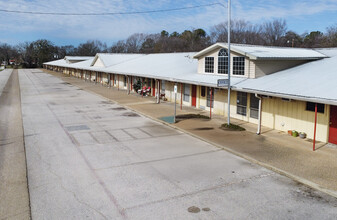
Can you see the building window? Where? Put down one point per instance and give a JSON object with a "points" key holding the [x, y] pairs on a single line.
{"points": [[238, 66], [241, 103], [209, 64], [311, 107], [209, 97], [254, 106], [124, 81], [186, 93], [223, 61], [115, 80], [203, 91]]}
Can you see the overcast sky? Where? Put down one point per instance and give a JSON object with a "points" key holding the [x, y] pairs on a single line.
{"points": [[301, 16]]}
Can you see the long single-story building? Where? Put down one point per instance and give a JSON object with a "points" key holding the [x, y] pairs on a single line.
{"points": [[277, 87]]}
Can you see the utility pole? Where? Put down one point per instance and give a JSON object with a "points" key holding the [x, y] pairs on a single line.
{"points": [[229, 61]]}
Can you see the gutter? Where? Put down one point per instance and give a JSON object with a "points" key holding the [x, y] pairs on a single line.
{"points": [[293, 97]]}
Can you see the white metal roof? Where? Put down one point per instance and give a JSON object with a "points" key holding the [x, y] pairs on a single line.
{"points": [[266, 53], [60, 62], [313, 81], [177, 67], [316, 81], [110, 59], [63, 63], [77, 58], [83, 64]]}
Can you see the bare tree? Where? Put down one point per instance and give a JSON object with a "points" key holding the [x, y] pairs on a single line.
{"points": [[118, 47], [273, 31], [332, 36], [242, 32], [8, 52], [91, 48], [134, 42]]}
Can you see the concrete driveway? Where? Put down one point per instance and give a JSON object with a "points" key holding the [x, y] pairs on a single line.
{"points": [[89, 158]]}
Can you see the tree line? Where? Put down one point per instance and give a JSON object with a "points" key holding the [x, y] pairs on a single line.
{"points": [[271, 33]]}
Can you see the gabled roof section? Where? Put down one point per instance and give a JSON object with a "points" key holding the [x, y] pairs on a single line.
{"points": [[110, 59], [255, 52], [74, 59], [315, 81]]}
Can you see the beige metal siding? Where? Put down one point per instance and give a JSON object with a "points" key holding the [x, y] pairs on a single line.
{"points": [[267, 67]]}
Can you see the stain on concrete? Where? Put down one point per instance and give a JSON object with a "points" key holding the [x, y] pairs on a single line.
{"points": [[206, 209], [77, 128], [117, 109], [106, 102], [130, 114], [203, 129], [193, 209]]}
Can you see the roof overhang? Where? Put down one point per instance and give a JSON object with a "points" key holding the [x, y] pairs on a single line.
{"points": [[251, 56]]}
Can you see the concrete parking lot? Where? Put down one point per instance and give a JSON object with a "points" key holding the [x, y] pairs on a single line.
{"points": [[90, 158]]}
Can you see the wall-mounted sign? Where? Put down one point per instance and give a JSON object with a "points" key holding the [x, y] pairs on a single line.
{"points": [[223, 82]]}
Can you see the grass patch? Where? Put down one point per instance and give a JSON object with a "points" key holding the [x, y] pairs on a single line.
{"points": [[232, 127], [190, 116]]}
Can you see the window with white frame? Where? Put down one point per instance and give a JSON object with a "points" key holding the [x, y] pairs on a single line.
{"points": [[241, 103], [209, 64], [223, 61], [238, 66], [186, 93]]}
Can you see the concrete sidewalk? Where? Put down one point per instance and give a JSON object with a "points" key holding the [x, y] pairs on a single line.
{"points": [[275, 150], [14, 195]]}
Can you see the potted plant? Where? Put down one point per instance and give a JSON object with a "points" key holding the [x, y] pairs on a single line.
{"points": [[303, 135], [294, 133]]}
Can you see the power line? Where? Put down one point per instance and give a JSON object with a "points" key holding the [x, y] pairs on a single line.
{"points": [[109, 13]]}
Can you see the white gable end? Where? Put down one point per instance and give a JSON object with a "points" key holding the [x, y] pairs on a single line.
{"points": [[99, 63]]}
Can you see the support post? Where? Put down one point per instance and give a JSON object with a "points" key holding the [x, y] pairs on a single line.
{"points": [[128, 87], [314, 142], [175, 106], [259, 116], [158, 91], [181, 96], [210, 104], [229, 62]]}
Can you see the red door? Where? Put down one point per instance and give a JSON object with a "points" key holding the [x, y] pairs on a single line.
{"points": [[194, 95], [333, 125]]}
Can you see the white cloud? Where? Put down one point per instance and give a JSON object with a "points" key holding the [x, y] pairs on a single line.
{"points": [[112, 28]]}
